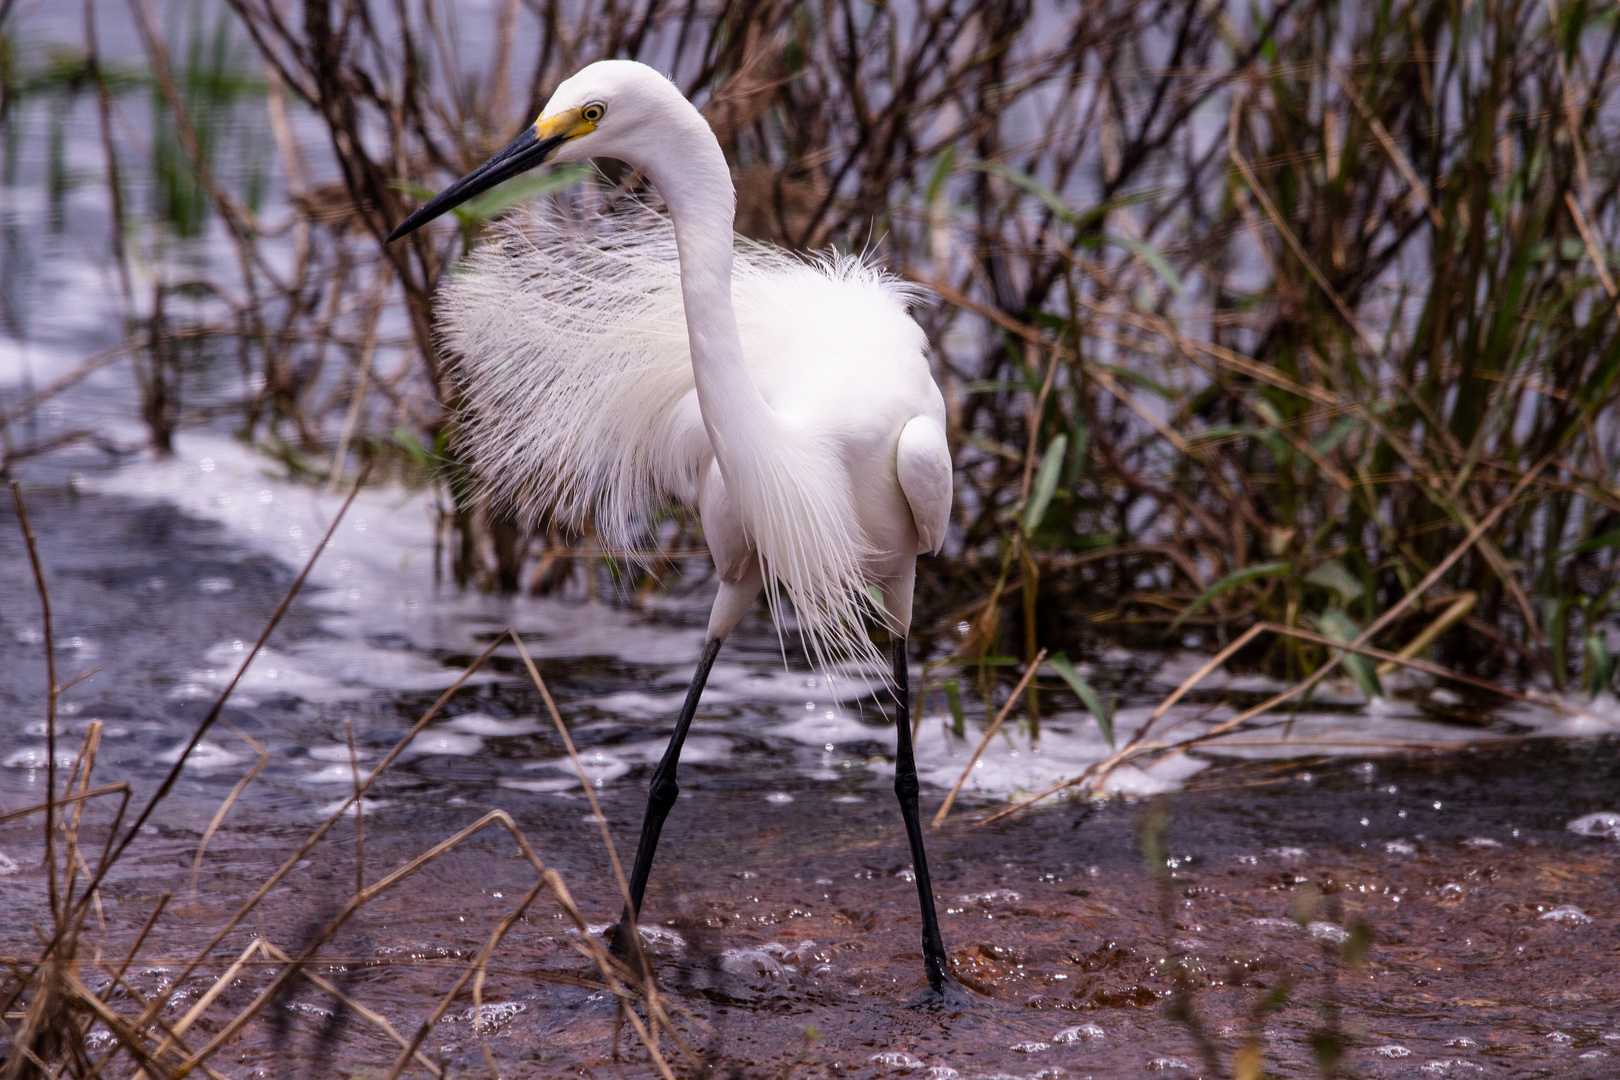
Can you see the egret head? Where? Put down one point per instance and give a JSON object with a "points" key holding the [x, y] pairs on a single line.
{"points": [[605, 110]]}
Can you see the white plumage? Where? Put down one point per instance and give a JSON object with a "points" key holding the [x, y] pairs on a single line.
{"points": [[571, 345]]}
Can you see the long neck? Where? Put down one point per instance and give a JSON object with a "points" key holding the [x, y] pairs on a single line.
{"points": [[696, 184]]}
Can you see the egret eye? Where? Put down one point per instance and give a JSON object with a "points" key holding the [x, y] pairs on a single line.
{"points": [[594, 111]]}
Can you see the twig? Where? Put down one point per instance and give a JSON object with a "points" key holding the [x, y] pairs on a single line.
{"points": [[230, 800], [1029, 673], [50, 706]]}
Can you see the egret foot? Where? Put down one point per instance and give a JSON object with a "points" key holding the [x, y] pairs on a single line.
{"points": [[946, 994]]}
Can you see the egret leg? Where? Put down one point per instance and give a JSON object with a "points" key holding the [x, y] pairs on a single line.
{"points": [[941, 984], [661, 795]]}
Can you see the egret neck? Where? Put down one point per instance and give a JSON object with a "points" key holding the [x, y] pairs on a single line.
{"points": [[695, 182]]}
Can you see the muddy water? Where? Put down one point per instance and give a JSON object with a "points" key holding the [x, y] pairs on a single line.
{"points": [[783, 918]]}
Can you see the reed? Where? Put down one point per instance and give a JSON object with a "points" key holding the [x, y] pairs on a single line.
{"points": [[1246, 314]]}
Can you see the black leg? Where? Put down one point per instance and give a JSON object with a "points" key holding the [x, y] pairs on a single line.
{"points": [[661, 795], [942, 986]]}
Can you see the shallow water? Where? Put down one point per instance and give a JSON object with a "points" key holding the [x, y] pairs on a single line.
{"points": [[782, 896]]}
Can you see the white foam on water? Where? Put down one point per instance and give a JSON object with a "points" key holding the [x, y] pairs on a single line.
{"points": [[206, 756], [377, 578], [492, 727], [367, 805], [436, 741], [598, 767], [1604, 825], [1566, 714]]}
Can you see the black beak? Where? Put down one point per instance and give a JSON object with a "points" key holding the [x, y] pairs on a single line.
{"points": [[521, 154]]}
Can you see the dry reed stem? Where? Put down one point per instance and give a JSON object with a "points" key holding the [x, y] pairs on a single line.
{"points": [[995, 726], [648, 985], [52, 690], [477, 966], [120, 787], [1593, 250], [219, 703], [1098, 771], [292, 861], [89, 366], [1458, 609], [1398, 159], [376, 1019], [230, 800], [118, 975], [1399, 607], [295, 967], [359, 809]]}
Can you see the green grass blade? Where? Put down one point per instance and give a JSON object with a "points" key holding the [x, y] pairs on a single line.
{"points": [[1046, 478], [1230, 581], [1341, 627], [1088, 697]]}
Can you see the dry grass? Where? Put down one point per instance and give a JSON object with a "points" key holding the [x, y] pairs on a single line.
{"points": [[49, 1006]]}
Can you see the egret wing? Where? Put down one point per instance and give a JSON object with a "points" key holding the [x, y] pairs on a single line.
{"points": [[923, 463]]}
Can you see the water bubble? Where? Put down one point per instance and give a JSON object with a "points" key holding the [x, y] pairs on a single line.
{"points": [[759, 964], [1326, 931], [1031, 1046], [941, 1072], [1078, 1033], [1561, 1037], [1567, 915], [1393, 1050], [491, 1018], [1461, 1042], [1481, 842], [897, 1059], [1161, 1064], [1400, 847], [779, 797], [1451, 1067], [1288, 853], [1605, 825], [214, 586]]}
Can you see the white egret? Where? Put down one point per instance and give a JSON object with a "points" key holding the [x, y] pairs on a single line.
{"points": [[790, 401]]}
